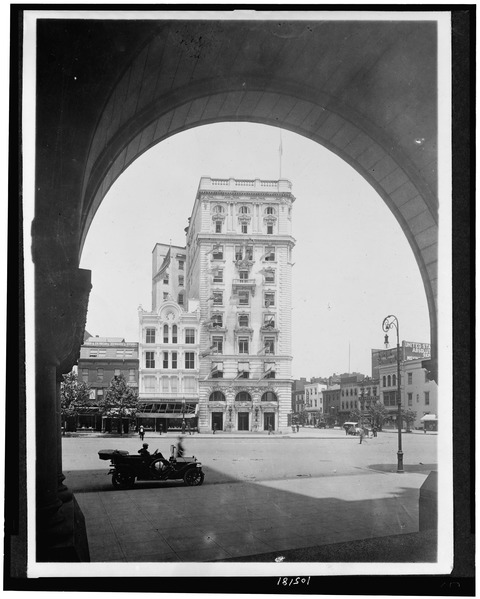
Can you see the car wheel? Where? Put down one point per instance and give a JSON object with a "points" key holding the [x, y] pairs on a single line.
{"points": [[123, 480], [193, 477]]}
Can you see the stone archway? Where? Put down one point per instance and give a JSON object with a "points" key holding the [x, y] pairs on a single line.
{"points": [[107, 91]]}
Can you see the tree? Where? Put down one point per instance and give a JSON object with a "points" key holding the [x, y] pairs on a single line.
{"points": [[409, 417], [74, 395], [120, 401], [355, 415], [377, 413]]}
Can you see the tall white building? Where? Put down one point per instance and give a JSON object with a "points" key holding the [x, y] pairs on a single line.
{"points": [[237, 293], [239, 266]]}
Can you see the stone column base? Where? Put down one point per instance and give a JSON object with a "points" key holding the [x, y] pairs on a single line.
{"points": [[66, 541]]}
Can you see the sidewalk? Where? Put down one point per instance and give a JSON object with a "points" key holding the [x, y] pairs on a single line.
{"points": [[216, 522], [304, 432]]}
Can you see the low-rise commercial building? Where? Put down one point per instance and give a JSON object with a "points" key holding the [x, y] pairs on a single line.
{"points": [[417, 392], [102, 358]]}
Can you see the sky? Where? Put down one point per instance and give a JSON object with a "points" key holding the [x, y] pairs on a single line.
{"points": [[353, 264]]}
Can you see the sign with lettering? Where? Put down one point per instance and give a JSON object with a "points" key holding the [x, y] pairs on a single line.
{"points": [[416, 351]]}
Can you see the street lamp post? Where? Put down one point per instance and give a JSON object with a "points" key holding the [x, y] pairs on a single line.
{"points": [[183, 413], [389, 322]]}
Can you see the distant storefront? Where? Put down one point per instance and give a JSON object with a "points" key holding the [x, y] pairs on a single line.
{"points": [[430, 422]]}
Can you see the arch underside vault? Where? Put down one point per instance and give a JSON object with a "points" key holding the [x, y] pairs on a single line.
{"points": [[369, 96]]}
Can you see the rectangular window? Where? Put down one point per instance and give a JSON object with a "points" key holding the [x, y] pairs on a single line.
{"points": [[100, 374], [243, 320], [269, 345], [217, 298], [269, 229], [165, 384], [269, 370], [218, 276], [174, 359], [85, 375], [218, 226], [217, 320], [269, 255], [217, 343], [174, 384], [174, 334], [243, 252], [269, 299], [243, 345], [181, 280], [180, 299], [189, 335], [243, 298], [243, 274], [189, 384], [149, 383], [165, 295], [427, 398], [217, 253], [165, 359], [150, 336], [165, 333], [189, 359], [410, 398], [270, 277], [180, 264], [269, 321], [165, 279], [244, 228], [131, 375], [409, 378]]}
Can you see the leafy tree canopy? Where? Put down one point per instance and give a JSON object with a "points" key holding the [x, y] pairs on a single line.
{"points": [[120, 400], [73, 394], [377, 413]]}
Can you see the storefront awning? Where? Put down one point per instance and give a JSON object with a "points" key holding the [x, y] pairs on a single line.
{"points": [[167, 409], [428, 417]]}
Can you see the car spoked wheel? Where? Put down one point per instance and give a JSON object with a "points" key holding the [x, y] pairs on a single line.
{"points": [[193, 477], [123, 480]]}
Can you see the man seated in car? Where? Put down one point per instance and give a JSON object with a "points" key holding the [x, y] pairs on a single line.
{"points": [[144, 453]]}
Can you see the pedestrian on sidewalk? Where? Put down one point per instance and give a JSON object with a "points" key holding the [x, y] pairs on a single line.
{"points": [[189, 428], [362, 434], [214, 427], [270, 429], [161, 428], [183, 427], [298, 428], [180, 448], [141, 432], [374, 431]]}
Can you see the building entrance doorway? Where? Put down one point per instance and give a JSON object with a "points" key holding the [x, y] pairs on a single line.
{"points": [[217, 421], [268, 419], [243, 421]]}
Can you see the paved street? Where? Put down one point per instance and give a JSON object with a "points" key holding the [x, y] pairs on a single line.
{"points": [[261, 494]]}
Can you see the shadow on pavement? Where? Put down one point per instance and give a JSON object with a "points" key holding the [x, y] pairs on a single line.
{"points": [[406, 467]]}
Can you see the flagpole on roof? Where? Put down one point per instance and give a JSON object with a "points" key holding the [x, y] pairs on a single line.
{"points": [[280, 152]]}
